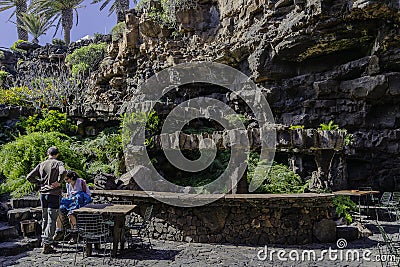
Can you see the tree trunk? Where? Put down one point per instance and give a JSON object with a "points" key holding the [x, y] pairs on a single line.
{"points": [[121, 8], [21, 7], [66, 22]]}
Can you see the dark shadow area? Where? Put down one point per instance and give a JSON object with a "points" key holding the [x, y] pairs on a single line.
{"points": [[149, 254], [389, 228], [11, 260]]}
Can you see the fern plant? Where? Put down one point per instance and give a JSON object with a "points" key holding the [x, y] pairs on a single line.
{"points": [[21, 156], [279, 180], [102, 153], [329, 127]]}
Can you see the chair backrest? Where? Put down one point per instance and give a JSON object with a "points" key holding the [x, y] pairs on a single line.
{"points": [[91, 225], [396, 197], [385, 198], [389, 242]]}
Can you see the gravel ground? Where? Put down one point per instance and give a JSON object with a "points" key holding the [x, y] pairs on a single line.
{"points": [[166, 253]]}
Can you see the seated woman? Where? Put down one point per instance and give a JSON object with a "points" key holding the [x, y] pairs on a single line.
{"points": [[77, 196]]}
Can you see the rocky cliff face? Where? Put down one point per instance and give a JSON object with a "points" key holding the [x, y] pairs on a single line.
{"points": [[318, 60]]}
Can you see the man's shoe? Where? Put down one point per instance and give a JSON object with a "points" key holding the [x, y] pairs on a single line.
{"points": [[48, 249], [59, 236]]}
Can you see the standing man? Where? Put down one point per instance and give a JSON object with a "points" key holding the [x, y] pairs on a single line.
{"points": [[49, 175]]}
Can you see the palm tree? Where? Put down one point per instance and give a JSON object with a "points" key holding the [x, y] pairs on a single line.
{"points": [[61, 10], [36, 24], [119, 6], [20, 7]]}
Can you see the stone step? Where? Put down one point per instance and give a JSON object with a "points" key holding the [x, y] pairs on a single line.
{"points": [[7, 232], [16, 215], [18, 246], [25, 202]]}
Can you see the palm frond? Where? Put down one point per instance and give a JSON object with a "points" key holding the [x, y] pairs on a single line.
{"points": [[36, 24], [6, 4]]}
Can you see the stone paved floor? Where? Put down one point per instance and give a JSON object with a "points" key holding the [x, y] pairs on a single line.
{"points": [[165, 253]]}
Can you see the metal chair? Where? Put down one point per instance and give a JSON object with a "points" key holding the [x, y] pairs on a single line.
{"points": [[385, 203], [367, 199], [67, 232], [389, 249], [395, 202], [92, 230], [139, 230]]}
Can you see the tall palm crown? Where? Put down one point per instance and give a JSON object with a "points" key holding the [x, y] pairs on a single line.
{"points": [[61, 10], [36, 24], [20, 7], [119, 6]]}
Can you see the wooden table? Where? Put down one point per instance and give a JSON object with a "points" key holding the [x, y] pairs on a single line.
{"points": [[118, 213], [359, 194]]}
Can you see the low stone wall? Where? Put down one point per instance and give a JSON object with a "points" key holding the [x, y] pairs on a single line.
{"points": [[257, 219]]}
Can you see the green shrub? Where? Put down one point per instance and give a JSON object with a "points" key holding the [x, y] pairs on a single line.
{"points": [[8, 132], [97, 167], [343, 205], [15, 44], [117, 31], [279, 180], [3, 76], [87, 58], [48, 121], [57, 41], [79, 68], [15, 96], [103, 153], [2, 55], [21, 156]]}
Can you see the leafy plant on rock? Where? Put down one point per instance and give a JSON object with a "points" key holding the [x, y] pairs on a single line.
{"points": [[117, 31], [15, 44], [329, 127], [343, 205], [166, 12]]}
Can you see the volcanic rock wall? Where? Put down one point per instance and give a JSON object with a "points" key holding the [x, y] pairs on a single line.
{"points": [[317, 60]]}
